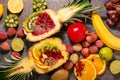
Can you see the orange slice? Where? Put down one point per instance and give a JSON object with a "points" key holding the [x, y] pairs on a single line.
{"points": [[99, 63], [85, 70]]}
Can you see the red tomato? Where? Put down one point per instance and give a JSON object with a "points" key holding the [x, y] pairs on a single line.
{"points": [[76, 32]]}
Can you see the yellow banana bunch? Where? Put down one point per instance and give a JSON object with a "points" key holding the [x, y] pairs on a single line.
{"points": [[104, 34]]}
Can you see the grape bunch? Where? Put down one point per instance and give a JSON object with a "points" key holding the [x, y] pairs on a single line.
{"points": [[113, 13]]}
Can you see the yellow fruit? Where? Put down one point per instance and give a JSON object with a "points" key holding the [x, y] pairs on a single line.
{"points": [[115, 67], [87, 72], [1, 10], [15, 6], [43, 63], [99, 63], [17, 44], [104, 34]]}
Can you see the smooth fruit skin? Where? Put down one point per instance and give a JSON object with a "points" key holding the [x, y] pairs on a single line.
{"points": [[106, 53], [1, 10], [104, 34], [76, 32]]}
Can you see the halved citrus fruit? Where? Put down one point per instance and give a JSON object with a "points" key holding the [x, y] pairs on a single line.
{"points": [[115, 67], [17, 44], [85, 70], [99, 63], [15, 6]]}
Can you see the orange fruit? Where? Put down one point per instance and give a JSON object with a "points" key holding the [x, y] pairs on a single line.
{"points": [[1, 10], [99, 63], [85, 70]]}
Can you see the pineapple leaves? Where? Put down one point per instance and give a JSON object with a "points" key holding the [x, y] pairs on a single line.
{"points": [[7, 68]]}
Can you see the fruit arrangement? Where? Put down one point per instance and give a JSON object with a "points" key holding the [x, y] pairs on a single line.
{"points": [[86, 54]]}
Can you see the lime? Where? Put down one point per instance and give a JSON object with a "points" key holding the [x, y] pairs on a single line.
{"points": [[1, 9], [17, 44], [106, 53], [115, 67]]}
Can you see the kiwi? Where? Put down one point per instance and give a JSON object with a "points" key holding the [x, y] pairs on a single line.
{"points": [[39, 5], [61, 74], [28, 24], [11, 20]]}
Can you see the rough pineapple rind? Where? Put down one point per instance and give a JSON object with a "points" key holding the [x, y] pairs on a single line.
{"points": [[51, 41], [33, 38]]}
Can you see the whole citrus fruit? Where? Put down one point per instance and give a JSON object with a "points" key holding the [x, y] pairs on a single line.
{"points": [[106, 53]]}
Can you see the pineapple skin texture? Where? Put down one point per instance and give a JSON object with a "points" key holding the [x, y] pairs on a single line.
{"points": [[40, 67]]}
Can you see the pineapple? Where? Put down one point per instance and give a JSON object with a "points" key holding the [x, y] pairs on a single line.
{"points": [[43, 57], [43, 24]]}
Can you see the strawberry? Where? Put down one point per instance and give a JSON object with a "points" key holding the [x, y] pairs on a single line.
{"points": [[3, 36], [20, 33], [11, 32], [5, 46]]}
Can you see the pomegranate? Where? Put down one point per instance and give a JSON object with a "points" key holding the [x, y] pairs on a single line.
{"points": [[42, 24]]}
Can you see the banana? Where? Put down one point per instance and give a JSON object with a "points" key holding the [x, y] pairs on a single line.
{"points": [[104, 34]]}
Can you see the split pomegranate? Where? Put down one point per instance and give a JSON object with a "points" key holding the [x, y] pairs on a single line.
{"points": [[43, 24], [55, 54], [79, 68]]}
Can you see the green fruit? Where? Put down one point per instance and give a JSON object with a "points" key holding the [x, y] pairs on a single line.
{"points": [[106, 53], [17, 44], [11, 20], [39, 5], [115, 67], [28, 24]]}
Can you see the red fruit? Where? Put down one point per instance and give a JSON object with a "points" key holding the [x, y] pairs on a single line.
{"points": [[69, 48], [85, 52], [93, 49], [3, 36], [94, 35], [15, 54], [11, 32], [20, 33], [76, 32], [99, 43], [68, 65], [5, 46], [89, 39], [85, 44]]}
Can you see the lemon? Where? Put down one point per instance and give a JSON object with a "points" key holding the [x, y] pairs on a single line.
{"points": [[115, 67], [17, 44], [15, 6], [1, 10]]}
